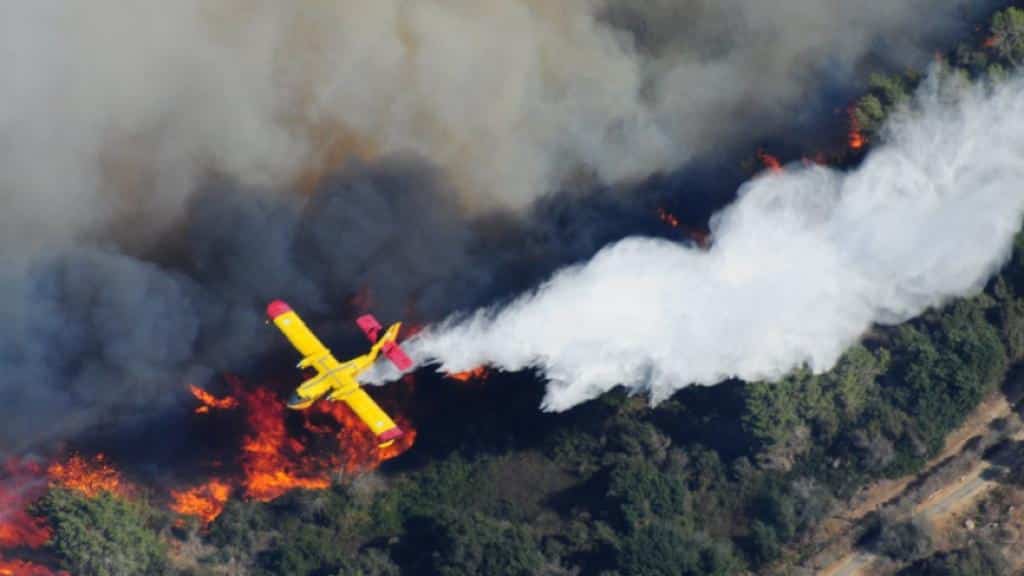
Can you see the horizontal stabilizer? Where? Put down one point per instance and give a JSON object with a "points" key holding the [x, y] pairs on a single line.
{"points": [[370, 326], [397, 356]]}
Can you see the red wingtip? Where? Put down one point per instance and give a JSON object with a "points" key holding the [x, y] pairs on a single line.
{"points": [[390, 434], [276, 308]]}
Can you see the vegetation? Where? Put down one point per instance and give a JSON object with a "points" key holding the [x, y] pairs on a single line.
{"points": [[1001, 50], [104, 536], [977, 559]]}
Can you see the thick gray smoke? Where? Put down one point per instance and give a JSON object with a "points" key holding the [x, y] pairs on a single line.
{"points": [[802, 264], [112, 110], [150, 154], [93, 336]]}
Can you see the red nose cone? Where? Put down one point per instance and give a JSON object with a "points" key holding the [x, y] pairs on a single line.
{"points": [[276, 308], [390, 434]]}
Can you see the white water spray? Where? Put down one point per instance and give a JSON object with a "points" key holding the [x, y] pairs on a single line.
{"points": [[802, 264]]}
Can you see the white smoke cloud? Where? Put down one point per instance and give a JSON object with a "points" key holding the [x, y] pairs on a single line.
{"points": [[802, 264], [111, 109]]}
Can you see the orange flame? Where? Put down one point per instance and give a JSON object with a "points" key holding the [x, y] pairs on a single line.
{"points": [[22, 568], [354, 447], [23, 482], [701, 237], [855, 137], [668, 218], [990, 42], [276, 457], [478, 373], [274, 461], [88, 478], [269, 454], [770, 162], [210, 401], [205, 502]]}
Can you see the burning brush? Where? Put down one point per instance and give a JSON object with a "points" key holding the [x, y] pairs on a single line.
{"points": [[275, 457], [25, 481]]}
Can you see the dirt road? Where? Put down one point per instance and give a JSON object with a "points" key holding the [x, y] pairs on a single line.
{"points": [[937, 507]]}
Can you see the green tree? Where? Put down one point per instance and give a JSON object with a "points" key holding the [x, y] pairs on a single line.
{"points": [[239, 526], [869, 113], [662, 548], [945, 368], [102, 536], [1011, 318], [853, 381], [764, 543], [772, 410], [369, 562], [903, 541], [892, 87], [471, 543], [303, 549], [638, 492], [1008, 34]]}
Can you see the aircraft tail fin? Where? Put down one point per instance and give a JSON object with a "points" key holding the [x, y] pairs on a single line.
{"points": [[387, 343], [369, 326]]}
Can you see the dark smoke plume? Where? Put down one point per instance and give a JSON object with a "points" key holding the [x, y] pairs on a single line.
{"points": [[93, 334], [128, 269]]}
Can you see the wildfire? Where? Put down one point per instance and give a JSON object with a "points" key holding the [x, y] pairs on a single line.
{"points": [[271, 458], [990, 42], [26, 481], [205, 502], [668, 218], [478, 373], [354, 446], [700, 237], [277, 457], [209, 401], [274, 460], [855, 137], [88, 477], [22, 568], [768, 161], [23, 482]]}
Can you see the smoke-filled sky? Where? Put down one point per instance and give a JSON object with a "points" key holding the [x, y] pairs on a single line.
{"points": [[802, 264], [167, 167], [112, 109]]}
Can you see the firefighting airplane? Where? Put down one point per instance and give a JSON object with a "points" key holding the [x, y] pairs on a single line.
{"points": [[337, 380]]}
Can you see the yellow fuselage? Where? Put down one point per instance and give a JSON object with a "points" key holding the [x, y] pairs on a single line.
{"points": [[334, 379]]}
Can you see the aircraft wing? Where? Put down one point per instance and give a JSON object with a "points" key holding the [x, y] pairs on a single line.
{"points": [[383, 427], [314, 353]]}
